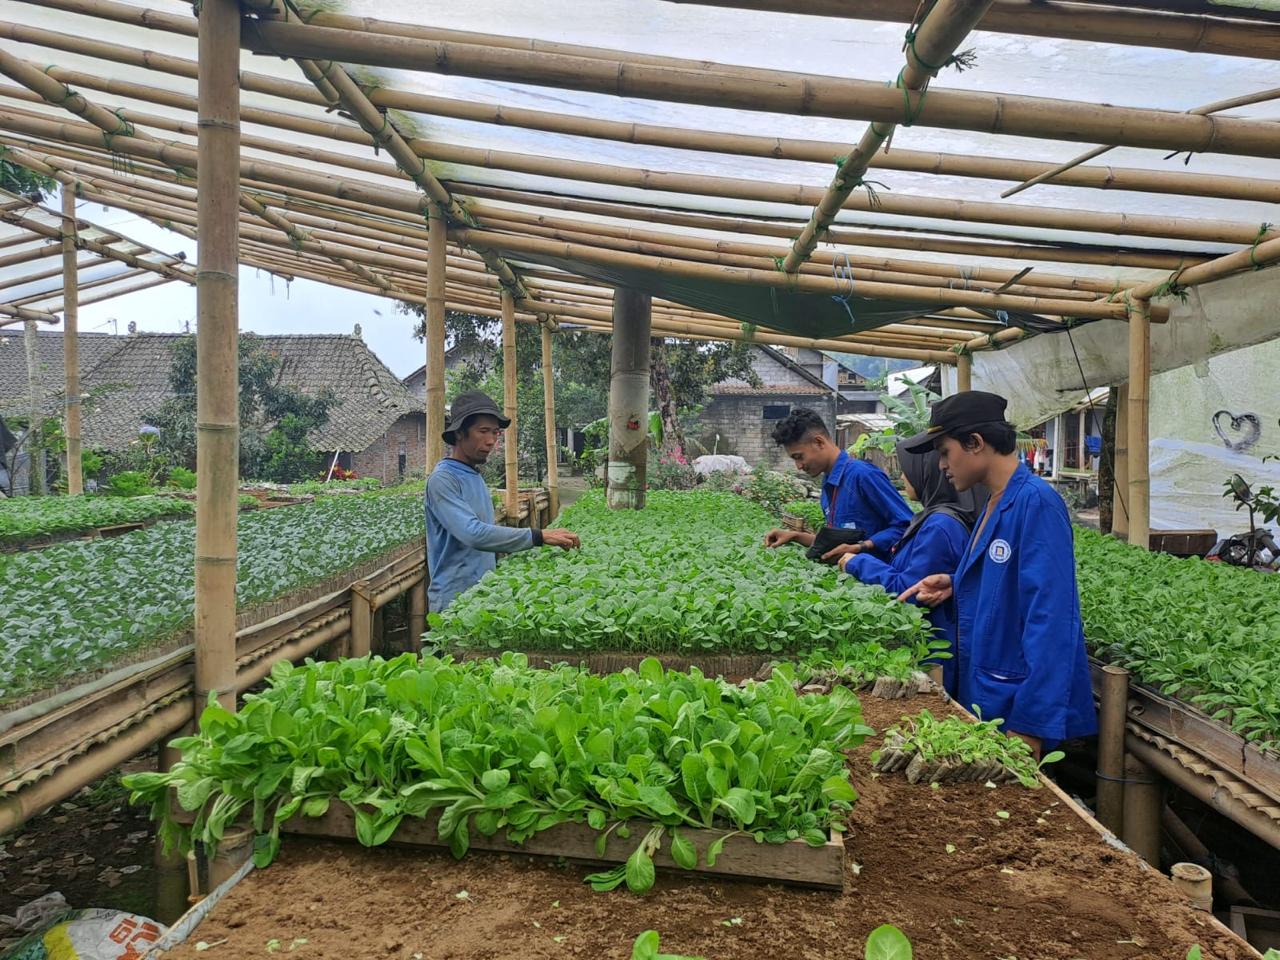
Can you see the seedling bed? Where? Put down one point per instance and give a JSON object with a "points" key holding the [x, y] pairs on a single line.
{"points": [[1042, 883], [730, 666], [795, 863]]}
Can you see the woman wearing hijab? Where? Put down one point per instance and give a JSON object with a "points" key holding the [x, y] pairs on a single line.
{"points": [[934, 540]]}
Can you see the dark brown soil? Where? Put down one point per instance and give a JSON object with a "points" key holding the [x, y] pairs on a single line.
{"points": [[1040, 885], [94, 849]]}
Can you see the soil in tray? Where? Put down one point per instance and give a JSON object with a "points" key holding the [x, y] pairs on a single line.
{"points": [[1040, 884]]}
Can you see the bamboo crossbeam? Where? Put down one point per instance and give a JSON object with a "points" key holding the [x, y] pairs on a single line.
{"points": [[945, 25], [57, 271], [775, 91], [1253, 258], [59, 305], [781, 148], [1049, 218], [23, 314], [922, 267], [56, 93], [1055, 173], [1070, 253], [1194, 33], [30, 256], [801, 282], [111, 294], [1236, 10]]}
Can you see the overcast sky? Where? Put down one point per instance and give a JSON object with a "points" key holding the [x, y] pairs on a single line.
{"points": [[267, 305]]}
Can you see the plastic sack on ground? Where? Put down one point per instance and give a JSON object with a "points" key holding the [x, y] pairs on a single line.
{"points": [[720, 463], [88, 935]]}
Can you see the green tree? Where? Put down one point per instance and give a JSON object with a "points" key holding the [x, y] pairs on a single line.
{"points": [[26, 183], [275, 419]]}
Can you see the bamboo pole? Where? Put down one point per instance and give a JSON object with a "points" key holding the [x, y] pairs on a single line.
{"points": [[549, 421], [1143, 801], [780, 148], [19, 314], [629, 400], [1112, 716], [1138, 435], [217, 361], [30, 256], [1069, 21], [510, 411], [964, 373], [773, 91], [1120, 496], [35, 411], [943, 28], [71, 344], [1053, 173], [434, 335], [800, 282], [1077, 253], [1257, 255], [361, 642]]}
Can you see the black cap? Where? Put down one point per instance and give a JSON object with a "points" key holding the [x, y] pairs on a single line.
{"points": [[473, 403], [961, 411]]}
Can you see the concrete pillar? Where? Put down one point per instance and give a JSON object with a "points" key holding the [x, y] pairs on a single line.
{"points": [[629, 399]]}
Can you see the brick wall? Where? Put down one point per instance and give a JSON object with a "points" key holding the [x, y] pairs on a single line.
{"points": [[739, 420], [381, 458]]}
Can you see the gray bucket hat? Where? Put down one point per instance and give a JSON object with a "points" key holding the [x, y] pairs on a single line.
{"points": [[473, 403]]}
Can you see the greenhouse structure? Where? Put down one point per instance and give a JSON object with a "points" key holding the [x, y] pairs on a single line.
{"points": [[676, 740]]}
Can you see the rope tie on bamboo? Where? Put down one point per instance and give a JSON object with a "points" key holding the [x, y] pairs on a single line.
{"points": [[842, 272], [1171, 287], [961, 61], [1253, 249]]}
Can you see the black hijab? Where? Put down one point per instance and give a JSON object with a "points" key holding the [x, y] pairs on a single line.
{"points": [[936, 493]]}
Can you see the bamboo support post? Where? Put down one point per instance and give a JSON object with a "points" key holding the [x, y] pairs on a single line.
{"points": [[931, 44], [361, 643], [417, 614], [434, 335], [964, 373], [511, 450], [35, 410], [1112, 716], [772, 90], [217, 349], [1120, 508], [1143, 802], [549, 421], [629, 399], [1138, 436], [71, 343]]}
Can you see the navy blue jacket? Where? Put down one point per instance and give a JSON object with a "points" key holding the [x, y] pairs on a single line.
{"points": [[1020, 650], [856, 493], [938, 544]]}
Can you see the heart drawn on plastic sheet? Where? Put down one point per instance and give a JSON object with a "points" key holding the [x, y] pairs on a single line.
{"points": [[1239, 433]]}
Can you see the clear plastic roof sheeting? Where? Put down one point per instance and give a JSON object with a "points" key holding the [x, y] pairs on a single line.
{"points": [[525, 171], [31, 259]]}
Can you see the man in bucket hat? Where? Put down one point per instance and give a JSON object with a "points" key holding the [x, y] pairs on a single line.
{"points": [[1019, 647], [462, 539]]}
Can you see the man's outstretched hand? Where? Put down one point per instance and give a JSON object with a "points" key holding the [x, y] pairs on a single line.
{"points": [[931, 591], [564, 539]]}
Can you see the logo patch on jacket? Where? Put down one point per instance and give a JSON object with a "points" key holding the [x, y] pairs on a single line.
{"points": [[1000, 551]]}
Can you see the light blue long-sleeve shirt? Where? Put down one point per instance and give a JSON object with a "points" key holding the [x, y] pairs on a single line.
{"points": [[462, 539]]}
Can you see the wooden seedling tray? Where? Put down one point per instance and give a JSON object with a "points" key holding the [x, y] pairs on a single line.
{"points": [[794, 863]]}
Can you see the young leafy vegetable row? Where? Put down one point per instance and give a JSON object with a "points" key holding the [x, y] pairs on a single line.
{"points": [[494, 747], [28, 518], [954, 741], [1203, 632], [77, 607], [688, 573]]}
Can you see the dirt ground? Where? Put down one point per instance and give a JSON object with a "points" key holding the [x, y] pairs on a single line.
{"points": [[1039, 885]]}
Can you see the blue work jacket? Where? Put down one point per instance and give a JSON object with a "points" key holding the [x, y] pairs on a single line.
{"points": [[937, 545], [856, 493], [462, 539], [1020, 650]]}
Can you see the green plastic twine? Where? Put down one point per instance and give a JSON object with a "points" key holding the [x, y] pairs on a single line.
{"points": [[909, 114], [1253, 249]]}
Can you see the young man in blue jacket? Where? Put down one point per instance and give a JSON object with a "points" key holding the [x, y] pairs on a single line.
{"points": [[462, 539], [1020, 652], [855, 493]]}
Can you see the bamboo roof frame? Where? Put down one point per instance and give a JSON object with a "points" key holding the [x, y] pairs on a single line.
{"points": [[373, 238]]}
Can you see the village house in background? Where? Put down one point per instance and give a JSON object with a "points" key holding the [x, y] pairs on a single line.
{"points": [[375, 426]]}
